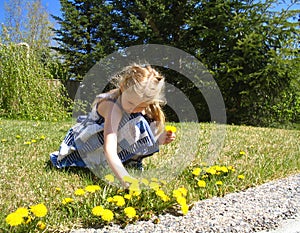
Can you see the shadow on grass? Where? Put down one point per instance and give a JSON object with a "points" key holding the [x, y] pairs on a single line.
{"points": [[82, 172]]}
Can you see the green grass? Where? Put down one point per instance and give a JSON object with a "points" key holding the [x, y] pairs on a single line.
{"points": [[27, 178]]}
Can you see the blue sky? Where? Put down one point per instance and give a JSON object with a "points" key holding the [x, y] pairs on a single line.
{"points": [[53, 7]]}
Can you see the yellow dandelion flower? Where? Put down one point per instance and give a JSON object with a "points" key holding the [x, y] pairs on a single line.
{"points": [[241, 177], [33, 141], [135, 193], [41, 225], [3, 140], [219, 182], [170, 128], [165, 198], [145, 181], [27, 143], [154, 185], [67, 200], [201, 183], [109, 199], [130, 212], [58, 189], [18, 136], [216, 167], [79, 192], [204, 176], [130, 179], [97, 210], [183, 191], [160, 193], [39, 210], [177, 193], [211, 170], [22, 211], [107, 215], [119, 200], [43, 137], [224, 169], [14, 219], [134, 187], [197, 171], [231, 168], [184, 209], [242, 152], [181, 200], [110, 178], [92, 188], [128, 196]]}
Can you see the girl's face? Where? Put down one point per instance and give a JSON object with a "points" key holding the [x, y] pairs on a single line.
{"points": [[132, 103]]}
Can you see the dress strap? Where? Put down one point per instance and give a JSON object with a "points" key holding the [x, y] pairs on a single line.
{"points": [[114, 101]]}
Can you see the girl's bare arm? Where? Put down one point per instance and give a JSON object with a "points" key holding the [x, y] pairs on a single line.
{"points": [[112, 114]]}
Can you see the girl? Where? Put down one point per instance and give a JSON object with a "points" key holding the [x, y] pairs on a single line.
{"points": [[124, 126]]}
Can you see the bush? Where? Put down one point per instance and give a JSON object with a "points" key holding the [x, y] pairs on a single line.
{"points": [[25, 89]]}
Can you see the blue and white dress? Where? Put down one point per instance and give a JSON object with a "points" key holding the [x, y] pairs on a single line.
{"points": [[83, 144]]}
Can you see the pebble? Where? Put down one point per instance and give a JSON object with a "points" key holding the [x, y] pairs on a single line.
{"points": [[256, 209]]}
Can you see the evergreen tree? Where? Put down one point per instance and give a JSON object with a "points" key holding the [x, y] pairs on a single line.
{"points": [[250, 49], [85, 34]]}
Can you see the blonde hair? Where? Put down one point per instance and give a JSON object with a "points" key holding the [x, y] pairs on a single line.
{"points": [[148, 84]]}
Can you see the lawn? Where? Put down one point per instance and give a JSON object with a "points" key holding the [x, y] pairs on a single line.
{"points": [[60, 200]]}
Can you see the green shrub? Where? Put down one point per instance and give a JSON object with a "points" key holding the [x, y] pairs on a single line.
{"points": [[26, 88]]}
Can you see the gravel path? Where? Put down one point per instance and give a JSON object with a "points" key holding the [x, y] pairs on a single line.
{"points": [[264, 207]]}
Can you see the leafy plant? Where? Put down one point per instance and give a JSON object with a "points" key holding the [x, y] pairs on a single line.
{"points": [[27, 90]]}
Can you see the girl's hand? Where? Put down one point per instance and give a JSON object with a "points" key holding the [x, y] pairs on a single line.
{"points": [[166, 137]]}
